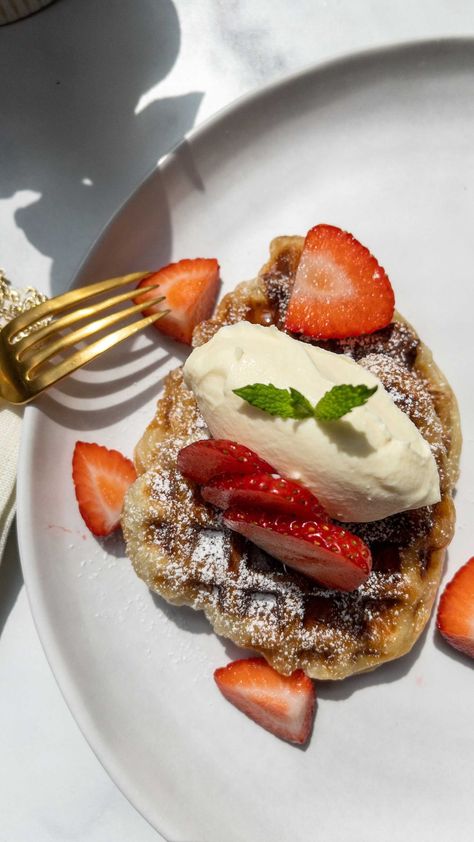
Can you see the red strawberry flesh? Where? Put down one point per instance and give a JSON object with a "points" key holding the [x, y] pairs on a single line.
{"points": [[340, 290], [319, 549], [283, 705], [190, 288], [101, 478], [455, 619], [204, 460], [268, 491]]}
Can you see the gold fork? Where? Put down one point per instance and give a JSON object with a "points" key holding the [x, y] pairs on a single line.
{"points": [[26, 369]]}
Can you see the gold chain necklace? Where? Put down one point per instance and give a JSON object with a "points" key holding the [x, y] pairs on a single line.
{"points": [[14, 301]]}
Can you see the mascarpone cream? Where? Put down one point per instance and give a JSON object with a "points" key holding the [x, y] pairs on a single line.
{"points": [[369, 464]]}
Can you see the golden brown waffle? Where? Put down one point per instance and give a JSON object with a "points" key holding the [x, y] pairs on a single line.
{"points": [[178, 546]]}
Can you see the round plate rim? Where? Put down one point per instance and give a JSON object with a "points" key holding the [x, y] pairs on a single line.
{"points": [[30, 571]]}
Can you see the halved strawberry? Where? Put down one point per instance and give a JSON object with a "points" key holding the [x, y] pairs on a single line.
{"points": [[340, 290], [203, 460], [190, 288], [101, 478], [455, 618], [282, 704], [269, 491], [319, 549]]}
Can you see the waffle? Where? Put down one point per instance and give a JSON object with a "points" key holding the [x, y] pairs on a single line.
{"points": [[178, 546]]}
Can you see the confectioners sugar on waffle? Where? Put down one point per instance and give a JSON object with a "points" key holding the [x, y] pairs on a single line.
{"points": [[178, 545]]}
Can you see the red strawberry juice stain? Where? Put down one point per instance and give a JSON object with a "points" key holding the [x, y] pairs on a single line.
{"points": [[83, 535], [61, 528]]}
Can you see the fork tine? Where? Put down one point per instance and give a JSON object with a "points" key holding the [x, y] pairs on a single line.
{"points": [[32, 360], [70, 318], [68, 299], [80, 358]]}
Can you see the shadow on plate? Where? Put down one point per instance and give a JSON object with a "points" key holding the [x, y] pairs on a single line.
{"points": [[113, 545], [446, 649], [385, 674], [183, 616], [11, 578], [78, 402]]}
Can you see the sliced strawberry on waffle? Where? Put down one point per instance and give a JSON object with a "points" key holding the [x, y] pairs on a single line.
{"points": [[190, 288], [317, 548], [282, 704], [340, 290], [268, 491], [455, 618], [101, 478], [204, 460]]}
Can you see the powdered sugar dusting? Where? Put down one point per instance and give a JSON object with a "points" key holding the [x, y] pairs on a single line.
{"points": [[188, 556], [179, 547]]}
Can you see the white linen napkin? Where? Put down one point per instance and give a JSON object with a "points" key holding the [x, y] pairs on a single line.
{"points": [[12, 302], [10, 423]]}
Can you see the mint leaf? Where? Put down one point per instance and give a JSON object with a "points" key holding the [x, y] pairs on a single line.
{"points": [[290, 403], [301, 405], [270, 399], [340, 400]]}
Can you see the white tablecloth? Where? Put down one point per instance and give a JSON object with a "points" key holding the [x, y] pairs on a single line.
{"points": [[91, 95]]}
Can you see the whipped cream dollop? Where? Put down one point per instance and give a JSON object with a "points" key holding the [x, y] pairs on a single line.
{"points": [[369, 464]]}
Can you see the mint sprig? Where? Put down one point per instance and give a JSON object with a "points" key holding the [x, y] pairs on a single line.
{"points": [[290, 403]]}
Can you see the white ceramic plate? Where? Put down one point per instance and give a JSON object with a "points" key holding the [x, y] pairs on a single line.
{"points": [[381, 144]]}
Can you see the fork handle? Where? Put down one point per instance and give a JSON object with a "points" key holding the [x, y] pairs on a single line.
{"points": [[8, 390]]}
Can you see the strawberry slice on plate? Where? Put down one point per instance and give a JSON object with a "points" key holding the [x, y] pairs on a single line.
{"points": [[283, 704], [190, 289], [455, 619], [317, 548], [340, 290], [268, 491], [101, 478], [203, 460]]}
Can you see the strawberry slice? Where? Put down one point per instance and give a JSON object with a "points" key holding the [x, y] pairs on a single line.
{"points": [[340, 290], [455, 618], [283, 704], [321, 550], [203, 460], [190, 288], [101, 478], [271, 492]]}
